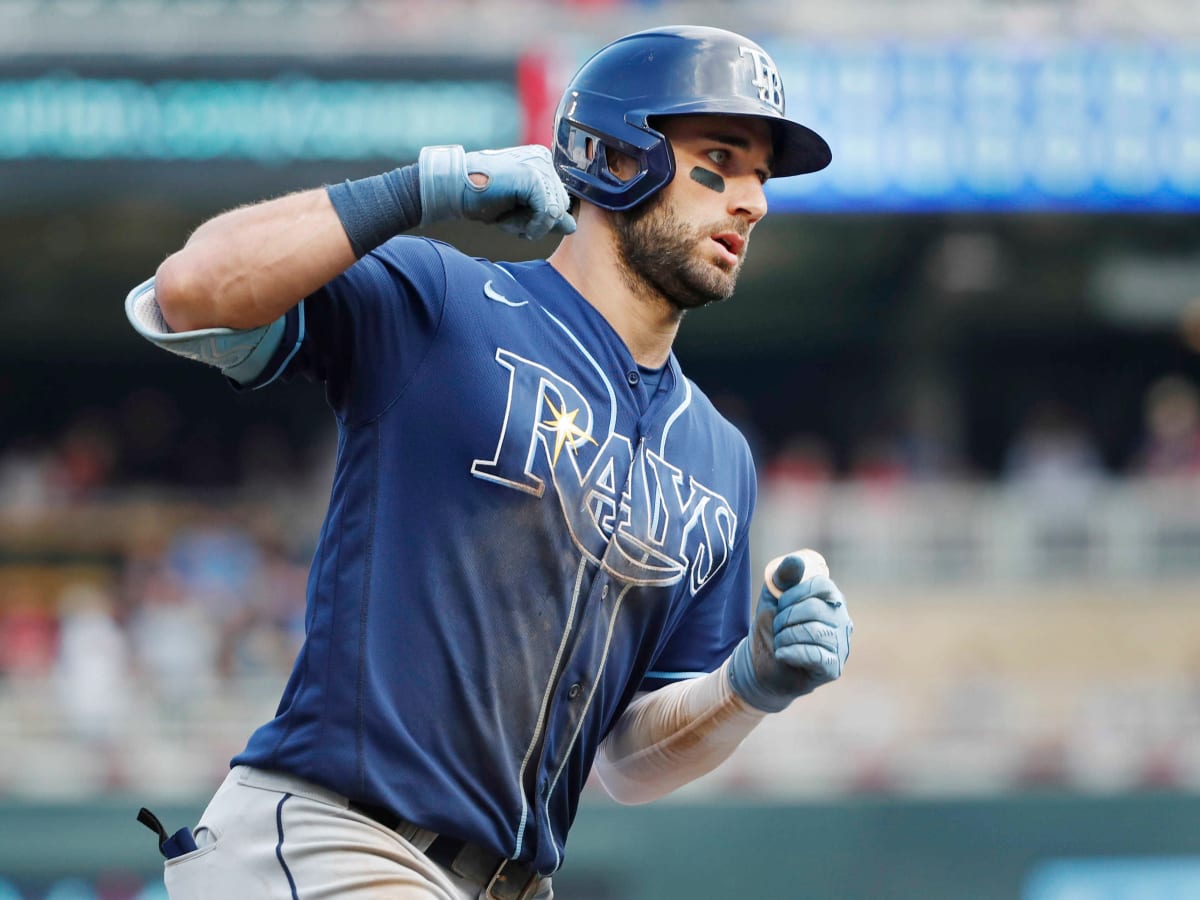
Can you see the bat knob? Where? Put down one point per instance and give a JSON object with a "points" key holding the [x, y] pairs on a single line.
{"points": [[811, 563]]}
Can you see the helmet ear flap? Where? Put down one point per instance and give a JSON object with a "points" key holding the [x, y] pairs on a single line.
{"points": [[589, 152], [613, 165], [581, 156]]}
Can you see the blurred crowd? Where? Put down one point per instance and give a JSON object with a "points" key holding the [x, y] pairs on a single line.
{"points": [[134, 661], [1053, 449], [146, 441], [152, 600]]}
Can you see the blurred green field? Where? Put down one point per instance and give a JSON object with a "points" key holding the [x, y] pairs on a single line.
{"points": [[1044, 846]]}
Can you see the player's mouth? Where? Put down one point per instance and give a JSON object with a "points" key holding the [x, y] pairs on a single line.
{"points": [[730, 245]]}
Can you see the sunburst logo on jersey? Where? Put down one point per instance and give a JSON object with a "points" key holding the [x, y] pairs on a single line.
{"points": [[562, 425]]}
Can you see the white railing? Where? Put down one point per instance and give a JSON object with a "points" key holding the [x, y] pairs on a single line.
{"points": [[985, 532]]}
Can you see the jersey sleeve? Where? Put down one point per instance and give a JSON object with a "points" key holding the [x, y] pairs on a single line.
{"points": [[365, 332], [716, 619]]}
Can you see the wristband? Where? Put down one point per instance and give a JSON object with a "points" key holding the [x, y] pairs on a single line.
{"points": [[376, 209]]}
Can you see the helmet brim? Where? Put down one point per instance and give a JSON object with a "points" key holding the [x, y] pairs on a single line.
{"points": [[798, 149]]}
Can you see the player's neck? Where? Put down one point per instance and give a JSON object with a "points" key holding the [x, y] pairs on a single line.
{"points": [[646, 322]]}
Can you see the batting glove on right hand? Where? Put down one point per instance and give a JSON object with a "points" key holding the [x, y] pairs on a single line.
{"points": [[523, 193], [800, 636]]}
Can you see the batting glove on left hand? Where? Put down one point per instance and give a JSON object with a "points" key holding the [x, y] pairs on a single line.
{"points": [[523, 193], [800, 636]]}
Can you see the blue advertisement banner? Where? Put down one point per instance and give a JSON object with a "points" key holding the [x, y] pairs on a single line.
{"points": [[997, 126]]}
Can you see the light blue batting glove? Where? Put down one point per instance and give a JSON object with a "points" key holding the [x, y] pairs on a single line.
{"points": [[523, 193], [800, 636]]}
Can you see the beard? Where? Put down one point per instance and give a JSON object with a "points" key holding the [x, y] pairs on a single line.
{"points": [[660, 253]]}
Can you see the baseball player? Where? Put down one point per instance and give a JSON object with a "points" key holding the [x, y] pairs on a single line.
{"points": [[535, 558]]}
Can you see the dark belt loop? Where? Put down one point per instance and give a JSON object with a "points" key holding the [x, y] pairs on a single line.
{"points": [[512, 881]]}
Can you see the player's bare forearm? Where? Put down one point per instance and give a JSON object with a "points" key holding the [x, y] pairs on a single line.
{"points": [[672, 736], [246, 267]]}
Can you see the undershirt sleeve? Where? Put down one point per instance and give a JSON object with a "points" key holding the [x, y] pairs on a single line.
{"points": [[669, 737]]}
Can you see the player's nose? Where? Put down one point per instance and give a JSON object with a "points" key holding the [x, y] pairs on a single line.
{"points": [[747, 199]]}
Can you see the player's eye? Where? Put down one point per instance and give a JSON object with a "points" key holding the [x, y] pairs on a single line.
{"points": [[720, 156]]}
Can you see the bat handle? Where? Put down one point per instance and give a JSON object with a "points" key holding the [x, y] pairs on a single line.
{"points": [[814, 564]]}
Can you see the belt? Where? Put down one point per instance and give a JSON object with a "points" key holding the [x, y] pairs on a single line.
{"points": [[502, 878]]}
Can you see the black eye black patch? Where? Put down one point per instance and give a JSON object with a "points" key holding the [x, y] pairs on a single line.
{"points": [[708, 179]]}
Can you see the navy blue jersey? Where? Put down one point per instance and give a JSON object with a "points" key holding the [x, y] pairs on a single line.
{"points": [[520, 538]]}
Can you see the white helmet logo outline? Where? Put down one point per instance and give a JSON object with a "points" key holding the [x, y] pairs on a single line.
{"points": [[766, 77]]}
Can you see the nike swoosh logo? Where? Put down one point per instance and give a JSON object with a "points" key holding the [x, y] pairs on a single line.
{"points": [[492, 294]]}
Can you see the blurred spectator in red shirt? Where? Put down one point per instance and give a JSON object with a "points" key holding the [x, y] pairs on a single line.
{"points": [[28, 633], [804, 459]]}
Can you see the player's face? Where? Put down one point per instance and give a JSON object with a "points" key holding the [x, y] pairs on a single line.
{"points": [[689, 241]]}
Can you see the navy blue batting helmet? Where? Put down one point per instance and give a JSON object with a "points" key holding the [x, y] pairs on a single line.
{"points": [[668, 72]]}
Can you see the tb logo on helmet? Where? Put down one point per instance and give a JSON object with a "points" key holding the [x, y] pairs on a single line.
{"points": [[766, 77]]}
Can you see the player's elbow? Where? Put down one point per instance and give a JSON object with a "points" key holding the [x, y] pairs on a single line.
{"points": [[184, 295], [626, 790]]}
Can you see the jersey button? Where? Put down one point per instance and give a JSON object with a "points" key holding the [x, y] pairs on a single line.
{"points": [[574, 690], [633, 377], [604, 593]]}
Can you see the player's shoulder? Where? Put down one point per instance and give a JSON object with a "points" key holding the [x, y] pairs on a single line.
{"points": [[407, 246], [455, 263], [429, 265], [708, 434], [701, 403], [717, 418]]}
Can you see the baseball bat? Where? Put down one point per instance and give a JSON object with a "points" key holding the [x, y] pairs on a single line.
{"points": [[814, 564]]}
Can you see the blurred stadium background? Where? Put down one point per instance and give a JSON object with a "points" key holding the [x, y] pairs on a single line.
{"points": [[967, 357]]}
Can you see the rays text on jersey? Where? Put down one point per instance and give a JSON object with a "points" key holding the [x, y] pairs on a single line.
{"points": [[631, 511]]}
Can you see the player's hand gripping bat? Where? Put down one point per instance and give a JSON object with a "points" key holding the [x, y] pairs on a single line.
{"points": [[799, 638]]}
